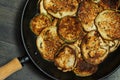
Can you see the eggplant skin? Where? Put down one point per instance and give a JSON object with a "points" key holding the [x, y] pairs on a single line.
{"points": [[94, 49], [108, 24], [61, 8], [38, 23], [87, 12], [69, 29], [65, 59], [48, 43]]}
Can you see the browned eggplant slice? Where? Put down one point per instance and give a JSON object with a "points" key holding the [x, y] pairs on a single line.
{"points": [[65, 59], [39, 22], [83, 68], [94, 49], [61, 8], [108, 24], [48, 43], [87, 12], [69, 29]]}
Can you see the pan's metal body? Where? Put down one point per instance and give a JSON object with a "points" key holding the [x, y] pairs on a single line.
{"points": [[29, 40]]}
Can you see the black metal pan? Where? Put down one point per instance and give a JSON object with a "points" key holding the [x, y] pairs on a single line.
{"points": [[110, 64]]}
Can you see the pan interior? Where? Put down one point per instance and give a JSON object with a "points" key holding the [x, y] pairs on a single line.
{"points": [[29, 40]]}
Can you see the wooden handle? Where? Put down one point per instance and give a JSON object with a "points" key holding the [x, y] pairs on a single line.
{"points": [[9, 68]]}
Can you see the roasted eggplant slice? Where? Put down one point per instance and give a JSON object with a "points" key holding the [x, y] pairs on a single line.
{"points": [[87, 12], [39, 22], [48, 43], [69, 29], [108, 24], [83, 68], [61, 8], [65, 59], [94, 49]]}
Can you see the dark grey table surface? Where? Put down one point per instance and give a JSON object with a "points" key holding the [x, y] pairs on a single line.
{"points": [[11, 45]]}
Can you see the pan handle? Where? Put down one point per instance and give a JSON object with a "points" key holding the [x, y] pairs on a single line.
{"points": [[11, 67]]}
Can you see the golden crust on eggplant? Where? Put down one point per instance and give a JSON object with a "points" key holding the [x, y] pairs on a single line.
{"points": [[61, 8], [94, 49], [108, 24], [65, 59], [38, 23], [87, 12], [69, 29], [48, 43], [83, 68]]}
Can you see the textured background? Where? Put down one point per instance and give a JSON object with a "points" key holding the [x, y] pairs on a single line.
{"points": [[11, 44]]}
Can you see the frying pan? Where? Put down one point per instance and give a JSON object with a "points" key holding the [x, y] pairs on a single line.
{"points": [[110, 65]]}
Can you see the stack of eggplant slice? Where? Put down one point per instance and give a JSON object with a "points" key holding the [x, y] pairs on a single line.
{"points": [[77, 35]]}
